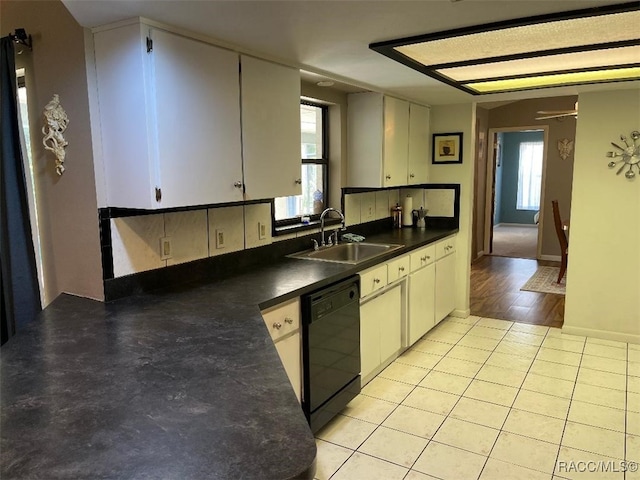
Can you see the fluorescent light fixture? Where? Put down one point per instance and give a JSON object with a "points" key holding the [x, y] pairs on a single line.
{"points": [[585, 46]]}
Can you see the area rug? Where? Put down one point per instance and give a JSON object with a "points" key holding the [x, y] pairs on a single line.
{"points": [[544, 281]]}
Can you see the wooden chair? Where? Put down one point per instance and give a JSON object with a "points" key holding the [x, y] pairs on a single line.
{"points": [[562, 238]]}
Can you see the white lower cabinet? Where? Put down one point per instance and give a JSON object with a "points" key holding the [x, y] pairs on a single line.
{"points": [[283, 322], [421, 302], [289, 350], [445, 300], [380, 331]]}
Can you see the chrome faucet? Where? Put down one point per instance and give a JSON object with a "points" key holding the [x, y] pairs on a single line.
{"points": [[322, 215]]}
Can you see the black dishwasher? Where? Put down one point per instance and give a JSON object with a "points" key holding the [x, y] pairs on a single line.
{"points": [[330, 350]]}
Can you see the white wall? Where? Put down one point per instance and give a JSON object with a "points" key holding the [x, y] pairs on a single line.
{"points": [[447, 119], [603, 278], [67, 205]]}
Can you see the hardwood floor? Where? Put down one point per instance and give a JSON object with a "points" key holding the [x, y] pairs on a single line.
{"points": [[495, 292]]}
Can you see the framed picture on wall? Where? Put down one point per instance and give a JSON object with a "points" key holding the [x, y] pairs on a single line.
{"points": [[446, 148]]}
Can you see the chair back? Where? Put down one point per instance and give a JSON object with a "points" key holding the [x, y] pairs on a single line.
{"points": [[562, 236]]}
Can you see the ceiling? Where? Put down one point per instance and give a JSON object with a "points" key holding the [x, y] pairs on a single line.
{"points": [[331, 38]]}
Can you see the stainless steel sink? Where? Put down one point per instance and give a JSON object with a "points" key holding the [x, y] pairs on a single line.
{"points": [[350, 253]]}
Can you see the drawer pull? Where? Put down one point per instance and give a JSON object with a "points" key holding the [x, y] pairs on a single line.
{"points": [[423, 259], [388, 177], [401, 269], [277, 325], [376, 280], [288, 320]]}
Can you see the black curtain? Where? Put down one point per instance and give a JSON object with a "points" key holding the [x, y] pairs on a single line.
{"points": [[18, 278]]}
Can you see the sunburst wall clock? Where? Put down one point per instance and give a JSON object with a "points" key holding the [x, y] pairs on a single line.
{"points": [[628, 156]]}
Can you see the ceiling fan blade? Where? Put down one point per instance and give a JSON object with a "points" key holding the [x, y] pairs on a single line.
{"points": [[561, 115], [555, 112]]}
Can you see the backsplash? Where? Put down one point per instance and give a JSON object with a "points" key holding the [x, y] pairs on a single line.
{"points": [[137, 241], [362, 207]]}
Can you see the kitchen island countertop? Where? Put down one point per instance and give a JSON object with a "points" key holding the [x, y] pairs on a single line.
{"points": [[183, 383]]}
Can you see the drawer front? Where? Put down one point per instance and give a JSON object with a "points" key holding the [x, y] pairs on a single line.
{"points": [[398, 268], [423, 257], [282, 319], [372, 280], [445, 247]]}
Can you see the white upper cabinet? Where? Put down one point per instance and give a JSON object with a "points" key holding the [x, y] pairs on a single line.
{"points": [[270, 129], [419, 141], [388, 141], [396, 142], [169, 119]]}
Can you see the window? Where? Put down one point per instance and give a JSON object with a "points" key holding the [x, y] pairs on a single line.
{"points": [[314, 154], [529, 176]]}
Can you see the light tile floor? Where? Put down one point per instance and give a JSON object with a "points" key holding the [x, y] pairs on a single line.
{"points": [[480, 398]]}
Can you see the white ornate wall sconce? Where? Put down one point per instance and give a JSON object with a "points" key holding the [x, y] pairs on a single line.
{"points": [[55, 123], [564, 148]]}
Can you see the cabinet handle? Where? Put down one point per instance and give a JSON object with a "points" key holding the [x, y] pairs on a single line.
{"points": [[428, 257], [423, 259], [238, 184], [411, 175], [158, 194], [288, 320], [277, 325], [298, 181], [388, 177], [401, 269], [376, 280]]}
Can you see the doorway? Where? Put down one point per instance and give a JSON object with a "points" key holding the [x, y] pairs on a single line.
{"points": [[515, 190]]}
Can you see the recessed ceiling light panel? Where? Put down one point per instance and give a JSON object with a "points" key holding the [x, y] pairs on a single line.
{"points": [[528, 53]]}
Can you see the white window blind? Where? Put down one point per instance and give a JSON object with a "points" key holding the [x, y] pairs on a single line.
{"points": [[529, 176]]}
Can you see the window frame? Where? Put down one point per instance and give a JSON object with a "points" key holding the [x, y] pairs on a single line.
{"points": [[520, 197], [323, 160]]}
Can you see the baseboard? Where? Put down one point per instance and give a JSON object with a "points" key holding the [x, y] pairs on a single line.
{"points": [[460, 313], [532, 225], [550, 258], [604, 334]]}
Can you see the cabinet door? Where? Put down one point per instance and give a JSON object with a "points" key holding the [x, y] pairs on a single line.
{"points": [[389, 307], [422, 286], [396, 141], [121, 63], [369, 338], [418, 163], [270, 129], [445, 286], [289, 351], [198, 121]]}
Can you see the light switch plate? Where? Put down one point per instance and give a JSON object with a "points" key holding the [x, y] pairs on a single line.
{"points": [[220, 240], [165, 248]]}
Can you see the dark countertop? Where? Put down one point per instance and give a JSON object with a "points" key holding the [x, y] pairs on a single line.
{"points": [[183, 383]]}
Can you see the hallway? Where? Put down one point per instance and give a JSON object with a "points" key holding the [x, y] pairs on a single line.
{"points": [[495, 292]]}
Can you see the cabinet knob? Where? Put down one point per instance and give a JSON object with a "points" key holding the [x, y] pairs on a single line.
{"points": [[423, 259], [376, 280], [388, 177], [411, 175], [238, 184], [401, 269], [288, 320], [299, 181], [158, 194], [277, 325]]}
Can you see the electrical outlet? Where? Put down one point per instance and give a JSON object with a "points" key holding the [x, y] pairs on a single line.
{"points": [[220, 240], [165, 248], [262, 231]]}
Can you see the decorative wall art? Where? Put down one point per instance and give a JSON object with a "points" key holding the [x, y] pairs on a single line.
{"points": [[446, 148], [565, 146], [628, 156], [55, 123]]}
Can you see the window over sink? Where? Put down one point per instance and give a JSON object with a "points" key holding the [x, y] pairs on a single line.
{"points": [[314, 169]]}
